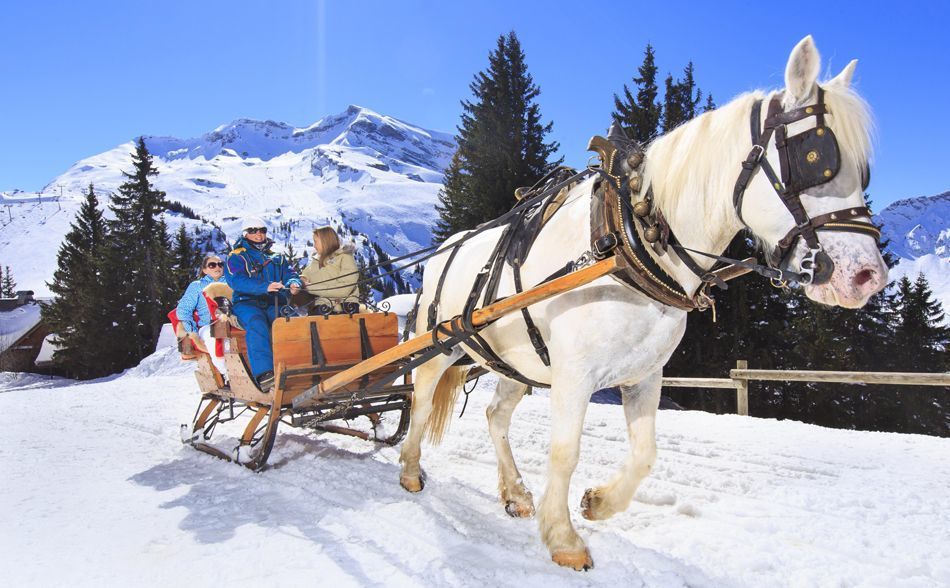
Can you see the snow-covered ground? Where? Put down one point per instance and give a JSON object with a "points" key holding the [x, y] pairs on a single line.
{"points": [[98, 490]]}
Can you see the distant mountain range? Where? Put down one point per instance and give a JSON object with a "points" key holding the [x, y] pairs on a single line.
{"points": [[918, 231], [374, 177]]}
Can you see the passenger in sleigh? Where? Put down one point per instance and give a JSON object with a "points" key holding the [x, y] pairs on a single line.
{"points": [[331, 277], [263, 283], [196, 310]]}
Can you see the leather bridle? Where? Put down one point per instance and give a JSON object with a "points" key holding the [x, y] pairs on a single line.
{"points": [[808, 159]]}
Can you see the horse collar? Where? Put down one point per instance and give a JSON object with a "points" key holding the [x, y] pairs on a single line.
{"points": [[615, 231]]}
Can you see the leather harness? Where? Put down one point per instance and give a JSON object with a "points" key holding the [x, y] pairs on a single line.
{"points": [[520, 232], [806, 160]]}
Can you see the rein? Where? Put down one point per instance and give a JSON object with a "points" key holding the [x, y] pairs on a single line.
{"points": [[530, 197]]}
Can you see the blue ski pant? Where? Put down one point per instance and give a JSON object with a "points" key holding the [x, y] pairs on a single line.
{"points": [[256, 320]]}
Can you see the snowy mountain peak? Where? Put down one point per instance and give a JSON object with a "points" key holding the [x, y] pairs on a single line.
{"points": [[918, 226], [365, 118], [355, 127], [373, 176], [918, 233]]}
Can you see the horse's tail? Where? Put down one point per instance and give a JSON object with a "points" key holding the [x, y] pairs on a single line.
{"points": [[443, 400]]}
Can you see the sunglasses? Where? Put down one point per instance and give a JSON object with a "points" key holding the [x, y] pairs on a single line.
{"points": [[214, 264], [257, 230]]}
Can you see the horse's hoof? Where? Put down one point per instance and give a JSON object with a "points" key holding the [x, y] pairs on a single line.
{"points": [[579, 560], [413, 483], [589, 504], [518, 510]]}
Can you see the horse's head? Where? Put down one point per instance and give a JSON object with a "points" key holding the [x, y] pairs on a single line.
{"points": [[805, 200]]}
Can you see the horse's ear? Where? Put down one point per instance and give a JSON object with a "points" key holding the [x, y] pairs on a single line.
{"points": [[801, 73], [843, 79]]}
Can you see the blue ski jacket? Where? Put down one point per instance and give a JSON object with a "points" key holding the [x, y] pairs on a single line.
{"points": [[249, 271], [193, 301]]}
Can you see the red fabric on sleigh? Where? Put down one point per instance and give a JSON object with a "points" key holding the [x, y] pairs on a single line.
{"points": [[212, 306]]}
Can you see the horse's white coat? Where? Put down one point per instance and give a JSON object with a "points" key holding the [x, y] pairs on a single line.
{"points": [[692, 170]]}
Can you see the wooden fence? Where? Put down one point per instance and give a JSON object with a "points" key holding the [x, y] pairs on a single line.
{"points": [[740, 377]]}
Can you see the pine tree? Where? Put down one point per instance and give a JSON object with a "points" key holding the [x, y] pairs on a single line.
{"points": [[690, 95], [186, 257], [673, 115], [169, 291], [364, 287], [456, 210], [749, 314], [137, 263], [8, 284], [681, 99], [921, 342], [292, 257], [920, 337], [640, 115], [76, 315], [501, 143]]}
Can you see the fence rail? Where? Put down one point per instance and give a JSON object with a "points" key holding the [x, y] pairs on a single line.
{"points": [[740, 377]]}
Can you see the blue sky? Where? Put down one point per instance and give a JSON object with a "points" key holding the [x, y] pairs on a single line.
{"points": [[78, 78]]}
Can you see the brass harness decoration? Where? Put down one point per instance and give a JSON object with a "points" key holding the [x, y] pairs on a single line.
{"points": [[629, 231]]}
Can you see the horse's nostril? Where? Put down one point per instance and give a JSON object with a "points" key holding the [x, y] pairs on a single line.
{"points": [[863, 277]]}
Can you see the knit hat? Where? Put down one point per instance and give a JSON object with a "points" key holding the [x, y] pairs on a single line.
{"points": [[252, 222]]}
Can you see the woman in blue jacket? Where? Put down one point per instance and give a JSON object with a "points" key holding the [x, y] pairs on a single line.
{"points": [[193, 302], [260, 280]]}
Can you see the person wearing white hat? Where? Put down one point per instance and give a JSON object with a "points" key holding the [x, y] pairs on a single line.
{"points": [[261, 281]]}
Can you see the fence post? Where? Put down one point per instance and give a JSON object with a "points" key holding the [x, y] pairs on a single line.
{"points": [[742, 390]]}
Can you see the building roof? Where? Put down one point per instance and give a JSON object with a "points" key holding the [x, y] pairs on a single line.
{"points": [[16, 323]]}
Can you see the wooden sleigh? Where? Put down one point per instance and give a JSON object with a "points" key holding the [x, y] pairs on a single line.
{"points": [[306, 351]]}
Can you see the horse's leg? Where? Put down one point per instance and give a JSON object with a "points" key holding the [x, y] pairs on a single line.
{"points": [[516, 498], [569, 399], [427, 377], [639, 406]]}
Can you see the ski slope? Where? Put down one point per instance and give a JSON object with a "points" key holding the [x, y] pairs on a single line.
{"points": [[98, 490]]}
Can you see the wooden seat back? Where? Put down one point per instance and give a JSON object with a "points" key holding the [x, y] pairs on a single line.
{"points": [[329, 344]]}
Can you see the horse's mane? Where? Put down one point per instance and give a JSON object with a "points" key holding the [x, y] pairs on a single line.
{"points": [[852, 122], [700, 159]]}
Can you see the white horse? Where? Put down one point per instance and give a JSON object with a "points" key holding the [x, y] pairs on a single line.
{"points": [[608, 334]]}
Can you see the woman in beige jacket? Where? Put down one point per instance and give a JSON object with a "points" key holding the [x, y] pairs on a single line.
{"points": [[331, 276]]}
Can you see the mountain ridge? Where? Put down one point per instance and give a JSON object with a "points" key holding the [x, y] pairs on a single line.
{"points": [[373, 176], [380, 174]]}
